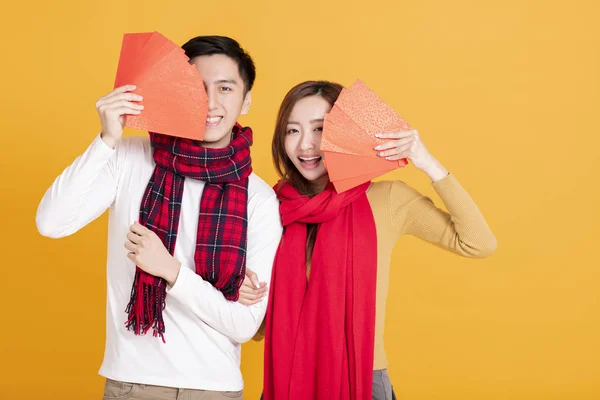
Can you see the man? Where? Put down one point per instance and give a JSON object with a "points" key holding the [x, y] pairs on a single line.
{"points": [[204, 218]]}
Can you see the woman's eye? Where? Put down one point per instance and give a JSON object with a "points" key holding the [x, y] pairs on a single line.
{"points": [[319, 129], [293, 130]]}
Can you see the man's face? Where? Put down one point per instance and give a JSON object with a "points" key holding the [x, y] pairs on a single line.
{"points": [[226, 99]]}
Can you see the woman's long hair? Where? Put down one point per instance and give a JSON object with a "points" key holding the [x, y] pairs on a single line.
{"points": [[283, 165]]}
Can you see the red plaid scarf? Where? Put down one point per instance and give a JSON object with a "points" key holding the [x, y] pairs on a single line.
{"points": [[320, 335], [220, 255]]}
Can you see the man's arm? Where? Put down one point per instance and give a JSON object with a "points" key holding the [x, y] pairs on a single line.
{"points": [[232, 319], [88, 187]]}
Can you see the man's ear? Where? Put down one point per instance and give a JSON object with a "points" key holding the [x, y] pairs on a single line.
{"points": [[247, 103]]}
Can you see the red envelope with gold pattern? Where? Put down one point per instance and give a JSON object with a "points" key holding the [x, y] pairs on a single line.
{"points": [[349, 133], [175, 102]]}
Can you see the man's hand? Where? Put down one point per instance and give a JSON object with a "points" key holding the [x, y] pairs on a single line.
{"points": [[112, 109], [252, 291], [149, 253]]}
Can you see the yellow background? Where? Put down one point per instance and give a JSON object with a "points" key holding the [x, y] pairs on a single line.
{"points": [[505, 94]]}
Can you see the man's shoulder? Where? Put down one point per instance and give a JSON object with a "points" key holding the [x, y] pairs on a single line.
{"points": [[134, 150], [259, 188], [264, 221], [261, 195], [135, 144]]}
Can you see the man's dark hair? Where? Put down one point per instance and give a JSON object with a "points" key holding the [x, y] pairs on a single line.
{"points": [[209, 45]]}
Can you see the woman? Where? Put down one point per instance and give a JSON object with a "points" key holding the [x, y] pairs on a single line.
{"points": [[325, 320]]}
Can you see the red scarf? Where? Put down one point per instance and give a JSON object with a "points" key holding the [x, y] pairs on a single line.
{"points": [[220, 255], [320, 336]]}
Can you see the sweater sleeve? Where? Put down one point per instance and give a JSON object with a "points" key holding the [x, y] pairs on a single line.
{"points": [[81, 193], [235, 320], [462, 229]]}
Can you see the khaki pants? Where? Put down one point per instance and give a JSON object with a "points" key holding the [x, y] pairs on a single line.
{"points": [[115, 390]]}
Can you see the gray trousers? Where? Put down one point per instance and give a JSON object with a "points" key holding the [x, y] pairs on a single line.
{"points": [[382, 386]]}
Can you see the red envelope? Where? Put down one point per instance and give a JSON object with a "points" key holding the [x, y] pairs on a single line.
{"points": [[341, 185], [348, 139], [344, 166], [133, 43], [175, 102], [347, 171]]}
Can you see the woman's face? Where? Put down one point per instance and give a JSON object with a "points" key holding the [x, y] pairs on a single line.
{"points": [[303, 139]]}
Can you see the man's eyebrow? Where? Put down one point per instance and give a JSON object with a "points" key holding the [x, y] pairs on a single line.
{"points": [[232, 81]]}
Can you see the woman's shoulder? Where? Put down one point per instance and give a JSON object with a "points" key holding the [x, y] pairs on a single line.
{"points": [[396, 189]]}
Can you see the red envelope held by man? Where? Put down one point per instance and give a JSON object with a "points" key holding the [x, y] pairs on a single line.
{"points": [[175, 101]]}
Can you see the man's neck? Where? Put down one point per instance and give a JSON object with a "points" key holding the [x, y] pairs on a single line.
{"points": [[219, 144]]}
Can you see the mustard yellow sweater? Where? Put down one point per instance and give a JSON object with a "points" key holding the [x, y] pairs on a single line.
{"points": [[399, 209]]}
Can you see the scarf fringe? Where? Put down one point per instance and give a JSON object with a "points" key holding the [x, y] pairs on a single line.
{"points": [[145, 310]]}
